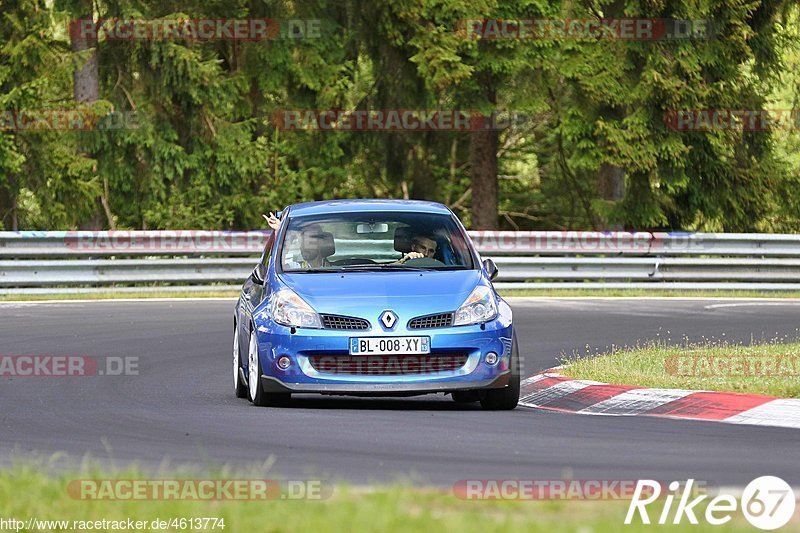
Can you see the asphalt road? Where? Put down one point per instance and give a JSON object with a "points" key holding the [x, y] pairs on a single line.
{"points": [[180, 407]]}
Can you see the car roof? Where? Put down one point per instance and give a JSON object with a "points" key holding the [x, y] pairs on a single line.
{"points": [[349, 206]]}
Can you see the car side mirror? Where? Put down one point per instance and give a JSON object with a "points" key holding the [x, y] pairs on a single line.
{"points": [[259, 274], [490, 268]]}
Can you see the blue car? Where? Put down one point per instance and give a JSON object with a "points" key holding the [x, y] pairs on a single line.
{"points": [[373, 298]]}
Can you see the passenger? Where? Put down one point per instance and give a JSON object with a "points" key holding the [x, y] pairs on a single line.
{"points": [[421, 246]]}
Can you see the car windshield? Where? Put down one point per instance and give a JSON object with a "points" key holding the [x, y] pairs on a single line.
{"points": [[374, 241]]}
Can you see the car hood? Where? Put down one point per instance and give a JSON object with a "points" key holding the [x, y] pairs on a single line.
{"points": [[367, 294]]}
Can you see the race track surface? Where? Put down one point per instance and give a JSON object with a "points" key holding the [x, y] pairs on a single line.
{"points": [[181, 409]]}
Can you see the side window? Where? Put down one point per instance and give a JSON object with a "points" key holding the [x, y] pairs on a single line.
{"points": [[268, 249], [291, 249]]}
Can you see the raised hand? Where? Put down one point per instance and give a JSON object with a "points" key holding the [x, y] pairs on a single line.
{"points": [[273, 221]]}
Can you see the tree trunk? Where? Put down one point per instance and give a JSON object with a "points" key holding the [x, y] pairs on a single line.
{"points": [[85, 78], [611, 178], [422, 186], [86, 89], [611, 182], [7, 209], [14, 215], [483, 146]]}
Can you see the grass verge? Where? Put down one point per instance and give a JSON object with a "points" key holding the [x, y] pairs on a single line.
{"points": [[652, 293], [27, 493], [540, 293], [772, 369]]}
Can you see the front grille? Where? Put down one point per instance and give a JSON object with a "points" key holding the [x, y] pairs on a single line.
{"points": [[431, 321], [388, 365], [344, 322]]}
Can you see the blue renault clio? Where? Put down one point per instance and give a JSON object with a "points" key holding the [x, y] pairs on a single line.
{"points": [[373, 298]]}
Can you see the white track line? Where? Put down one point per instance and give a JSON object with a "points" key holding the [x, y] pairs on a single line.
{"points": [[654, 298], [750, 304]]}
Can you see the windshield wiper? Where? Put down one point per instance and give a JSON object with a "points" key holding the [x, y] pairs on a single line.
{"points": [[384, 266]]}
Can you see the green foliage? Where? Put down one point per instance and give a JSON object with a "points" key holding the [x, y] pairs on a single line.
{"points": [[206, 152]]}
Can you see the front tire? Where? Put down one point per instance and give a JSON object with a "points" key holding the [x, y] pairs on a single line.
{"points": [[506, 398], [258, 396], [238, 383]]}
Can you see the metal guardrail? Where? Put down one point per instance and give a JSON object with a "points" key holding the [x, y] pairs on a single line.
{"points": [[86, 261]]}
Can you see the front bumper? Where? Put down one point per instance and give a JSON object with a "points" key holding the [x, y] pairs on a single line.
{"points": [[474, 342], [274, 385]]}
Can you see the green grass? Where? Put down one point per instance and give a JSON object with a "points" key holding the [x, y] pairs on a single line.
{"points": [[772, 368], [111, 294], [637, 293], [26, 492]]}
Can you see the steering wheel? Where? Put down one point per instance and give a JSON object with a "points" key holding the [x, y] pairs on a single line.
{"points": [[424, 262], [354, 261]]}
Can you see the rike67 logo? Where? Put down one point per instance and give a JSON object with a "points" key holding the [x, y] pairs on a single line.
{"points": [[767, 502]]}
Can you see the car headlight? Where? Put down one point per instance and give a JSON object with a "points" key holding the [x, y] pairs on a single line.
{"points": [[479, 307], [288, 309]]}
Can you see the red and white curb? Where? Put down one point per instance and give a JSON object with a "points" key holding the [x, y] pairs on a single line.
{"points": [[554, 391]]}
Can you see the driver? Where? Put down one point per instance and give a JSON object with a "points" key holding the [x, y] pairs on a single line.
{"points": [[312, 239], [421, 246]]}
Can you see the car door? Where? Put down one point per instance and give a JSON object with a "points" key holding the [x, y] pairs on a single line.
{"points": [[253, 293]]}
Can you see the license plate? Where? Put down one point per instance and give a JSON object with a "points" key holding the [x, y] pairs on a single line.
{"points": [[389, 345]]}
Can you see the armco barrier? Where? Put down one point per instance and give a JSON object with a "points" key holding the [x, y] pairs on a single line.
{"points": [[65, 261]]}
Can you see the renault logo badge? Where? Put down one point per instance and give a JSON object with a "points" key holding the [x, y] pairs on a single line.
{"points": [[388, 319]]}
